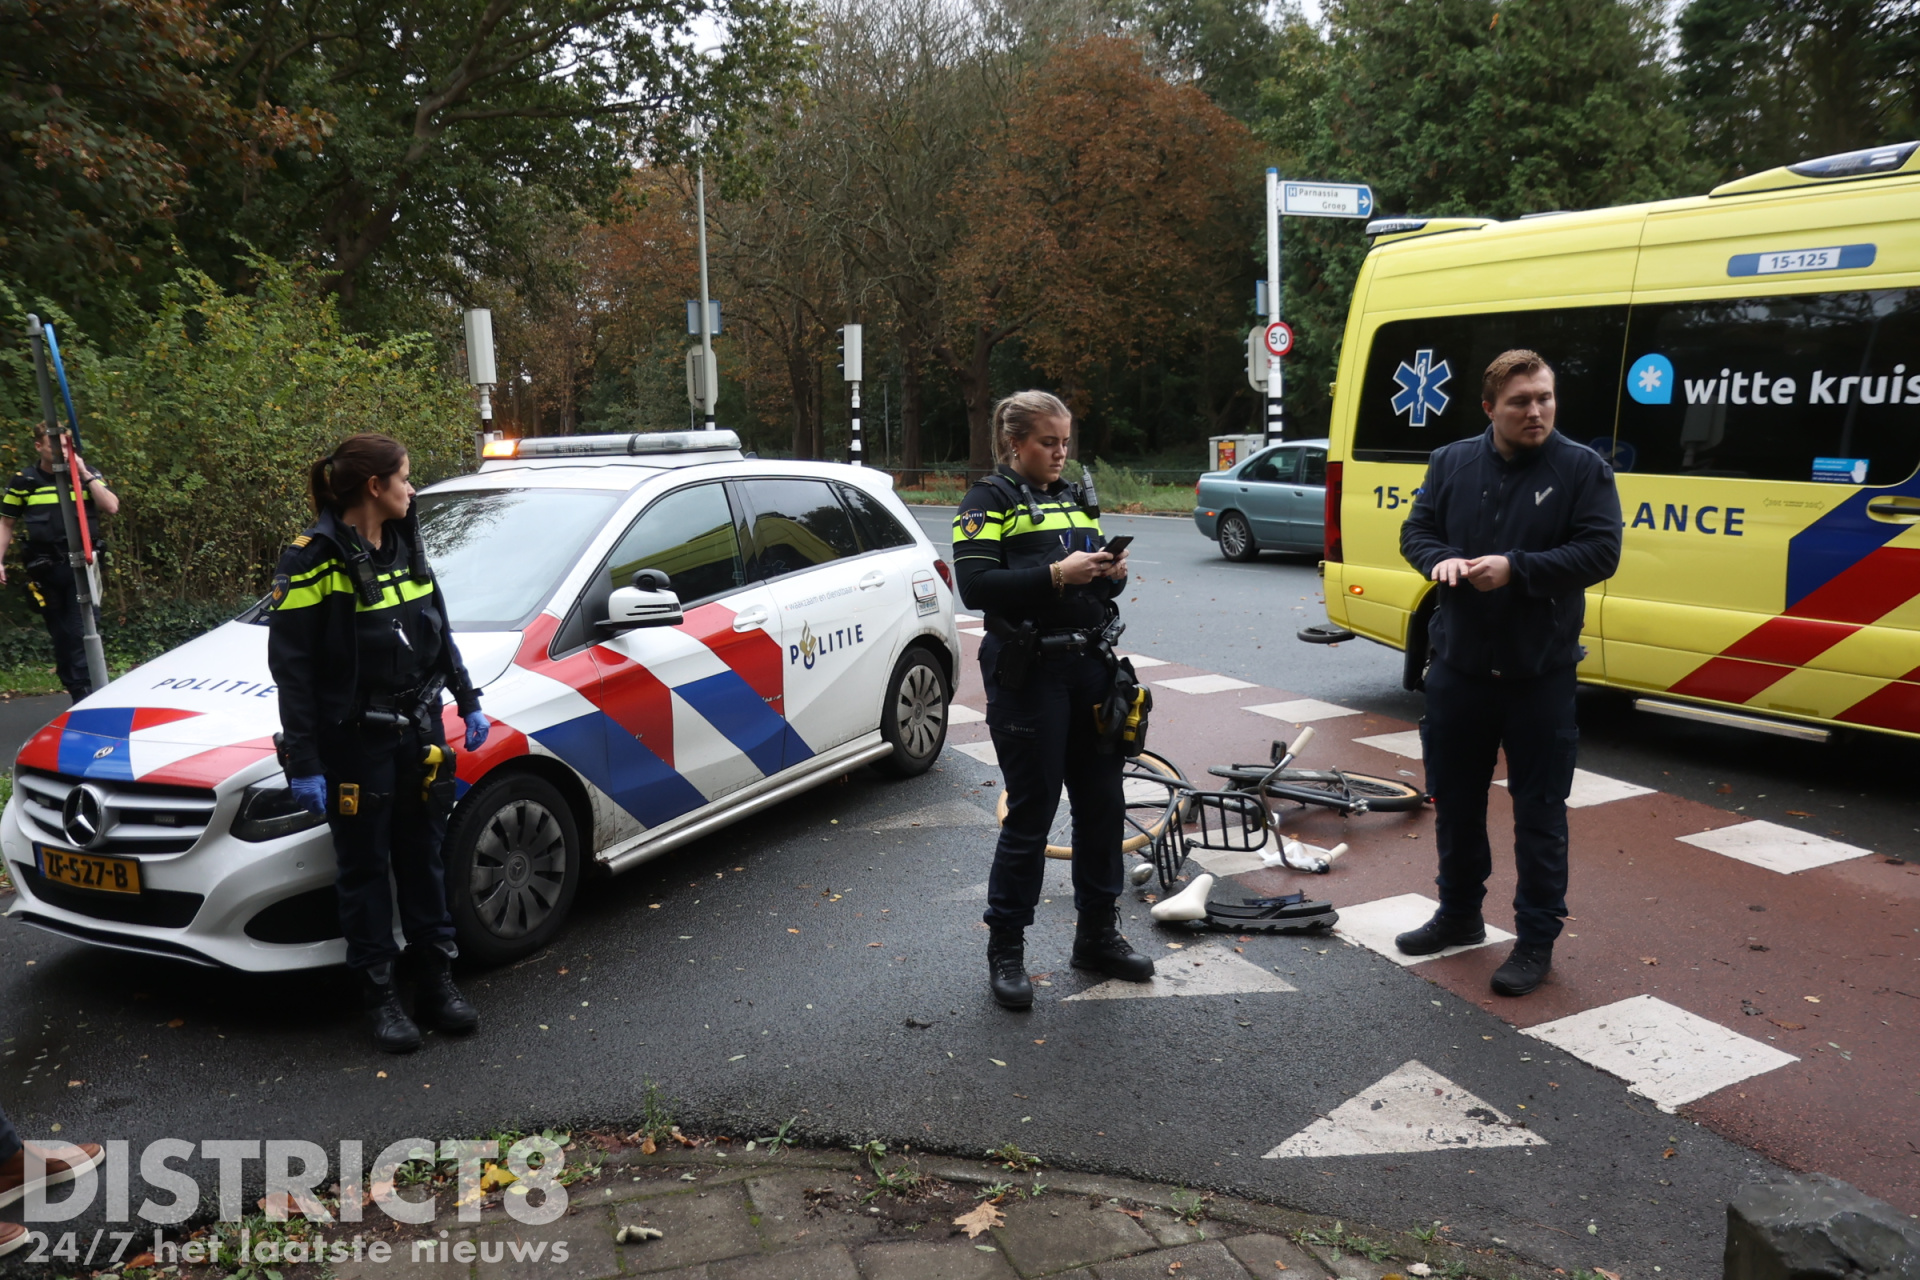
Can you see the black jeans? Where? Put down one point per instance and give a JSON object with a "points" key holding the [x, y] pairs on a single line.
{"points": [[60, 605], [1044, 735], [1467, 722], [392, 843], [9, 1140]]}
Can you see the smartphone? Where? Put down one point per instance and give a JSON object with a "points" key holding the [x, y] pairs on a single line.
{"points": [[1116, 545]]}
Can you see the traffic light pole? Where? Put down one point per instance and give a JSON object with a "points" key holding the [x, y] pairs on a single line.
{"points": [[97, 676], [1276, 375], [706, 319], [850, 369]]}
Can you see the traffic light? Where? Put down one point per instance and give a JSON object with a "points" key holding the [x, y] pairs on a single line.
{"points": [[850, 353]]}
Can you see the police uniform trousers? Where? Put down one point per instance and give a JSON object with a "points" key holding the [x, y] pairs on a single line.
{"points": [[60, 606], [391, 848], [1468, 720], [1044, 735]]}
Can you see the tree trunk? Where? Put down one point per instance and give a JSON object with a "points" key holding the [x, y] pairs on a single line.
{"points": [[976, 391], [911, 397]]}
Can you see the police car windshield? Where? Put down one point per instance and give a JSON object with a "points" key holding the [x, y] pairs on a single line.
{"points": [[497, 553]]}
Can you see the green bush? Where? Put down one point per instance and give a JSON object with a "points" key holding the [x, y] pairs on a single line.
{"points": [[206, 429]]}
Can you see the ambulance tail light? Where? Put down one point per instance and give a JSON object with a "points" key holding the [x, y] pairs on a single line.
{"points": [[1335, 550]]}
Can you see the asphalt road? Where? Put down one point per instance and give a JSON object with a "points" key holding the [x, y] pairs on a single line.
{"points": [[778, 970]]}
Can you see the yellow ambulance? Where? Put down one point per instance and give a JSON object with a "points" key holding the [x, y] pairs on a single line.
{"points": [[1750, 362]]}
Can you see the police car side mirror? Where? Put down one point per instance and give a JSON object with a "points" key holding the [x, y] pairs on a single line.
{"points": [[647, 603]]}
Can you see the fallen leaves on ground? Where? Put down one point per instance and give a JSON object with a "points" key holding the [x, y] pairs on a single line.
{"points": [[177, 1022], [1788, 1026], [1604, 1274], [279, 1206], [1798, 813], [981, 1217], [496, 1176], [1811, 999], [1649, 959]]}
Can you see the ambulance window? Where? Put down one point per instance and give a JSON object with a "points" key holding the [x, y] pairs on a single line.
{"points": [[1422, 380], [1816, 386]]}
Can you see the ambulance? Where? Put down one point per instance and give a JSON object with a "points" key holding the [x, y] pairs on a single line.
{"points": [[1749, 360]]}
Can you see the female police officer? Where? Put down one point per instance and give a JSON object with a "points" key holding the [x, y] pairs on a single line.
{"points": [[1028, 555], [361, 647]]}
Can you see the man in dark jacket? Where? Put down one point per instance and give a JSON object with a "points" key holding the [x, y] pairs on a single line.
{"points": [[1514, 524]]}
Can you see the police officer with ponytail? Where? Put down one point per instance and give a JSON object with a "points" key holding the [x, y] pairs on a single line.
{"points": [[362, 649], [1027, 551]]}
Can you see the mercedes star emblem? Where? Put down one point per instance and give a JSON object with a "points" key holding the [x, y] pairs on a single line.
{"points": [[84, 815]]}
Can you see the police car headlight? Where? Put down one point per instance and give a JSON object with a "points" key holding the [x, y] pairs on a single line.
{"points": [[267, 813]]}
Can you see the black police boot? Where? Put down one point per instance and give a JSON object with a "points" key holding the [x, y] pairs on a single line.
{"points": [[1525, 969], [393, 1030], [1007, 969], [438, 1004], [1440, 933], [1098, 945]]}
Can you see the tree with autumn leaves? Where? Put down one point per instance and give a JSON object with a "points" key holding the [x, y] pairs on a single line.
{"points": [[1106, 218]]}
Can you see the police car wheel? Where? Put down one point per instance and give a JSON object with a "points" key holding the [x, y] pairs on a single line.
{"points": [[1236, 537], [513, 867], [914, 716]]}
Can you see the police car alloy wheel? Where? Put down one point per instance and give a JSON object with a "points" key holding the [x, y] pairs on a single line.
{"points": [[914, 718], [1236, 537], [513, 867]]}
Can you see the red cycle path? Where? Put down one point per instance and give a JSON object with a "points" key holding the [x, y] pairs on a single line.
{"points": [[1732, 942]]}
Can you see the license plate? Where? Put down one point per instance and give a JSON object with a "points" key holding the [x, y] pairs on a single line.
{"points": [[89, 871]]}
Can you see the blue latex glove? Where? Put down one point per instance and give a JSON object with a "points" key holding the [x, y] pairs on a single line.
{"points": [[310, 793], [477, 730]]}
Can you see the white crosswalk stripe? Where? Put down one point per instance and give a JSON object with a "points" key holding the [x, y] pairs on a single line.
{"points": [[1777, 848], [1668, 1055], [1373, 925]]}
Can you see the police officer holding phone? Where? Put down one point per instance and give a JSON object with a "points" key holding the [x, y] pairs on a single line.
{"points": [[361, 647], [1029, 554]]}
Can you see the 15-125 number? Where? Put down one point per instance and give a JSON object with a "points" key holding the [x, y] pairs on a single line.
{"points": [[1389, 496]]}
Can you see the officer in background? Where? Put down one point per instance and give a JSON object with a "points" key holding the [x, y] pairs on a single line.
{"points": [[360, 644], [1514, 524], [1028, 556], [32, 496]]}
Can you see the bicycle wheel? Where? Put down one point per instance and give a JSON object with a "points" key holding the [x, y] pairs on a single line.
{"points": [[1341, 790], [1150, 784]]}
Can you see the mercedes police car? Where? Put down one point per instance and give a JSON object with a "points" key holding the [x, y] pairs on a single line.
{"points": [[668, 637]]}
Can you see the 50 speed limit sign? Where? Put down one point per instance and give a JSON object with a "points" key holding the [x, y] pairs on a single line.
{"points": [[1280, 337]]}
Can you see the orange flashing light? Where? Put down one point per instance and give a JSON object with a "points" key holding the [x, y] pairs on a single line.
{"points": [[500, 449], [1357, 589]]}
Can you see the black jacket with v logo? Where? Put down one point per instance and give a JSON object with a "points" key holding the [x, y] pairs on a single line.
{"points": [[1553, 512]]}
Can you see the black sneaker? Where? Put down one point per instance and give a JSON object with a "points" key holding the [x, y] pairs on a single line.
{"points": [[1440, 933], [1525, 969]]}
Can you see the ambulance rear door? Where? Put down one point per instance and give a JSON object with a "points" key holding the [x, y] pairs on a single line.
{"points": [[1767, 447]]}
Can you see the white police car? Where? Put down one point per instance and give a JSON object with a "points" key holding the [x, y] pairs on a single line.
{"points": [[667, 637]]}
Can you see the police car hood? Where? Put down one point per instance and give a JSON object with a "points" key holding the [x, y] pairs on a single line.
{"points": [[202, 715]]}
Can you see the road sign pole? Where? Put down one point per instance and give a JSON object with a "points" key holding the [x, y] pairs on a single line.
{"points": [[1276, 385]]}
